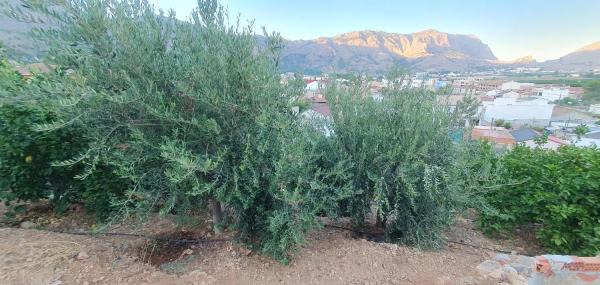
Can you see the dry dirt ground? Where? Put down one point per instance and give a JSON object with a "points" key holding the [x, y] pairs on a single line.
{"points": [[332, 256]]}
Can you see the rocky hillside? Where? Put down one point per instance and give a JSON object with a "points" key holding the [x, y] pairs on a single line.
{"points": [[585, 58], [376, 51], [359, 51]]}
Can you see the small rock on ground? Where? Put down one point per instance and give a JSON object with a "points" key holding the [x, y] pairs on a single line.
{"points": [[27, 225], [82, 255]]}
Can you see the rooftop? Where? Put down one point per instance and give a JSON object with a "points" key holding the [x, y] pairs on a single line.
{"points": [[495, 135], [593, 135], [525, 134], [320, 105]]}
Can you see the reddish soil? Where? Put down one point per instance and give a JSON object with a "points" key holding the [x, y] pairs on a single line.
{"points": [[331, 256]]}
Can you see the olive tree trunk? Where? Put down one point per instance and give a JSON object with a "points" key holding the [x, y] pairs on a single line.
{"points": [[217, 215]]}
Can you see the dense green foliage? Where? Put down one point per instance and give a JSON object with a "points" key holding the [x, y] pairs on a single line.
{"points": [[10, 80], [559, 190], [186, 113], [402, 160], [502, 123], [296, 85], [27, 154], [592, 92], [568, 101], [553, 80], [144, 113], [581, 130]]}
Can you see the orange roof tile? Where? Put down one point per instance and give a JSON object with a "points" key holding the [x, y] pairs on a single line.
{"points": [[495, 136]]}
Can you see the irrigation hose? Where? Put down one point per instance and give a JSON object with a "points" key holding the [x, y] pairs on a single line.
{"points": [[204, 240]]}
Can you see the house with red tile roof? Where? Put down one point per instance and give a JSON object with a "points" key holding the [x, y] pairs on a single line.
{"points": [[498, 136]]}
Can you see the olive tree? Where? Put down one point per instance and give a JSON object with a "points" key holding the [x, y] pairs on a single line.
{"points": [[191, 112], [404, 162]]}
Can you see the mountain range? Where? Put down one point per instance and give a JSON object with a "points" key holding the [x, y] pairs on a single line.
{"points": [[585, 58], [429, 50], [366, 51], [375, 51]]}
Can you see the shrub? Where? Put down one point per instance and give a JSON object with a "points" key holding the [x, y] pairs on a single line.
{"points": [[102, 191], [10, 80], [557, 189], [499, 123], [304, 104], [296, 86], [27, 154], [568, 101], [402, 160], [581, 130], [190, 114], [476, 172]]}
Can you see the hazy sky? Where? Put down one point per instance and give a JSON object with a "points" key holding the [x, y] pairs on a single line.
{"points": [[546, 29]]}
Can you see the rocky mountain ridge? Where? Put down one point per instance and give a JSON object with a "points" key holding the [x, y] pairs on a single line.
{"points": [[376, 51], [364, 51], [585, 58]]}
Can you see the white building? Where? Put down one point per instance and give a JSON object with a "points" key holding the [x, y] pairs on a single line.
{"points": [[527, 85], [430, 82], [464, 82], [594, 109], [318, 121], [511, 94], [312, 86], [416, 83], [492, 93], [534, 112], [585, 142], [553, 94], [513, 85]]}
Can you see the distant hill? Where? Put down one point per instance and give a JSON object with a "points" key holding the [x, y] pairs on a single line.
{"points": [[360, 51], [519, 61], [376, 51], [585, 58]]}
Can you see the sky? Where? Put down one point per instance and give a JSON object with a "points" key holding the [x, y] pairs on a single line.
{"points": [[545, 29]]}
